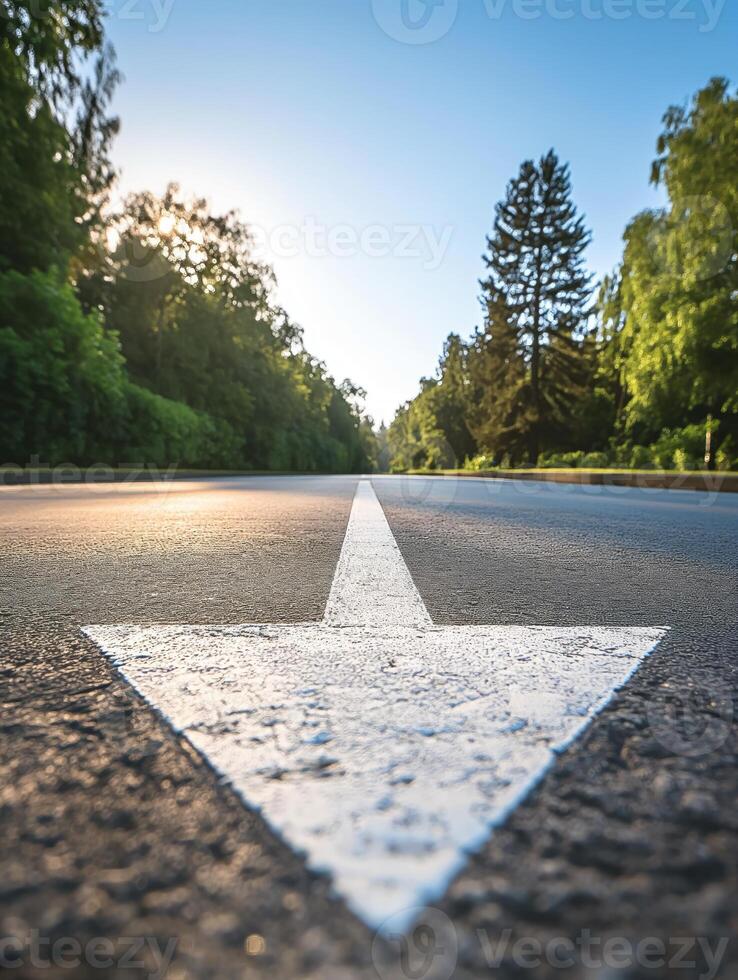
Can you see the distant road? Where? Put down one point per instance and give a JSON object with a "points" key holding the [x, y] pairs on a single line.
{"points": [[109, 820]]}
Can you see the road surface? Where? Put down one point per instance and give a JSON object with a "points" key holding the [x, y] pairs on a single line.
{"points": [[113, 826]]}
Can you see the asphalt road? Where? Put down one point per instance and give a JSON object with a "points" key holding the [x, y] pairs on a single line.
{"points": [[113, 827]]}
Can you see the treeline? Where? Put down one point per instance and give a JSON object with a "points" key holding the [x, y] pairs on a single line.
{"points": [[632, 373], [145, 334]]}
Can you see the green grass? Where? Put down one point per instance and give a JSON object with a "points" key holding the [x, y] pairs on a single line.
{"points": [[571, 470]]}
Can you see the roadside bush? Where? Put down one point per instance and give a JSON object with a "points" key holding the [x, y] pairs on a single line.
{"points": [[595, 461], [553, 460], [162, 432], [61, 375], [641, 458], [726, 457], [677, 449], [620, 454], [65, 397], [578, 459], [681, 449], [480, 462]]}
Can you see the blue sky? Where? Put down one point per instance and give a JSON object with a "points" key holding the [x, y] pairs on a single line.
{"points": [[368, 140]]}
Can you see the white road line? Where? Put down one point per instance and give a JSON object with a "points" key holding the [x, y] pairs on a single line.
{"points": [[372, 585], [381, 746]]}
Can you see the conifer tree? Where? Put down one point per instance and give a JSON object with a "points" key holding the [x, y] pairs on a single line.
{"points": [[528, 364], [451, 402]]}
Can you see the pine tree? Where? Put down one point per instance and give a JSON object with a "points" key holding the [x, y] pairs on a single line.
{"points": [[529, 363], [451, 401], [498, 378]]}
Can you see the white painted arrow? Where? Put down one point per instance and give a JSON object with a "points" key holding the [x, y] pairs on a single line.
{"points": [[381, 746]]}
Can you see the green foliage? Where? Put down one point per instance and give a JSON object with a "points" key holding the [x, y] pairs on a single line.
{"points": [[61, 374], [38, 181], [431, 431], [415, 439], [450, 399], [641, 458], [679, 278], [554, 460], [529, 362], [594, 461], [640, 390], [52, 178], [155, 341], [675, 449], [64, 394], [180, 288], [162, 432], [726, 457], [680, 449], [480, 462], [150, 334], [49, 39], [522, 381]]}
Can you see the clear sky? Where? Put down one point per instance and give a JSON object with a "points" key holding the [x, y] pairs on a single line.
{"points": [[368, 140]]}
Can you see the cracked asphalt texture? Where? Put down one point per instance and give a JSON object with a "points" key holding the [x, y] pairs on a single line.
{"points": [[113, 827]]}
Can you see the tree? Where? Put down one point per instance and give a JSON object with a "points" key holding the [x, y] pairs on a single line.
{"points": [[501, 416], [51, 172], [529, 366], [165, 249], [679, 276], [50, 40], [416, 438], [383, 452], [192, 307], [451, 398], [61, 374], [149, 334]]}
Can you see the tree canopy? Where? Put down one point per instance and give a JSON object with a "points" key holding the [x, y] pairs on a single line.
{"points": [[148, 332], [639, 376]]}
